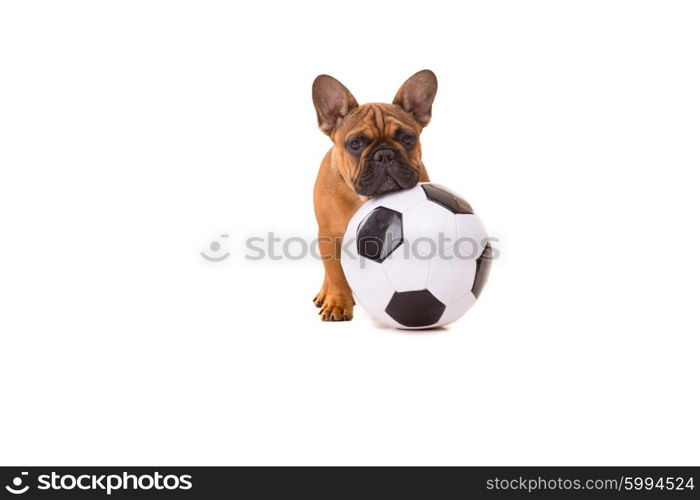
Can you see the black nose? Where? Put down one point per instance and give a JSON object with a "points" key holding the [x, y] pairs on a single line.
{"points": [[384, 156]]}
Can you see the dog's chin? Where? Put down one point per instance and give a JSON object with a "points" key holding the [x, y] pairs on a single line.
{"points": [[386, 185], [376, 181]]}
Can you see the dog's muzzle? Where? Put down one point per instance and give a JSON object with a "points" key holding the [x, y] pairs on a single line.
{"points": [[385, 171]]}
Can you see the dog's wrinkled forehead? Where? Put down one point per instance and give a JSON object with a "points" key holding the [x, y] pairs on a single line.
{"points": [[377, 121]]}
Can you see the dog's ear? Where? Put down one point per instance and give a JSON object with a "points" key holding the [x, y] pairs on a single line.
{"points": [[332, 102], [416, 95]]}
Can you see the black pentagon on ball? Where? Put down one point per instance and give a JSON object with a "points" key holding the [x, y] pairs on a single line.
{"points": [[379, 234], [443, 196], [415, 309], [483, 267]]}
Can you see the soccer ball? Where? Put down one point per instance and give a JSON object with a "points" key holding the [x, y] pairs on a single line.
{"points": [[417, 258]]}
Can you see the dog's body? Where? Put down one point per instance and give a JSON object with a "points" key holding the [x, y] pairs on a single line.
{"points": [[376, 150]]}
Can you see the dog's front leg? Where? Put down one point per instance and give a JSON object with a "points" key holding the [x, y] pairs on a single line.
{"points": [[336, 303]]}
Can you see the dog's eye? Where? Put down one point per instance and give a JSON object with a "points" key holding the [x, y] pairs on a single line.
{"points": [[408, 140], [356, 145]]}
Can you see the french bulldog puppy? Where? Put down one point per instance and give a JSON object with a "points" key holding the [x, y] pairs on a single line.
{"points": [[376, 150]]}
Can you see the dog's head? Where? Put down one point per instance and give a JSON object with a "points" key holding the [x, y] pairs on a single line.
{"points": [[377, 147]]}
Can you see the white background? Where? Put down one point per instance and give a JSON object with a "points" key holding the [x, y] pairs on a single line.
{"points": [[132, 134]]}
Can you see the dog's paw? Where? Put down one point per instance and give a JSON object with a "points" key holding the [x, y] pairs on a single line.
{"points": [[321, 295], [319, 298], [336, 308]]}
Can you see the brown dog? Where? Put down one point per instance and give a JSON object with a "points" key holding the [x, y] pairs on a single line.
{"points": [[376, 150]]}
